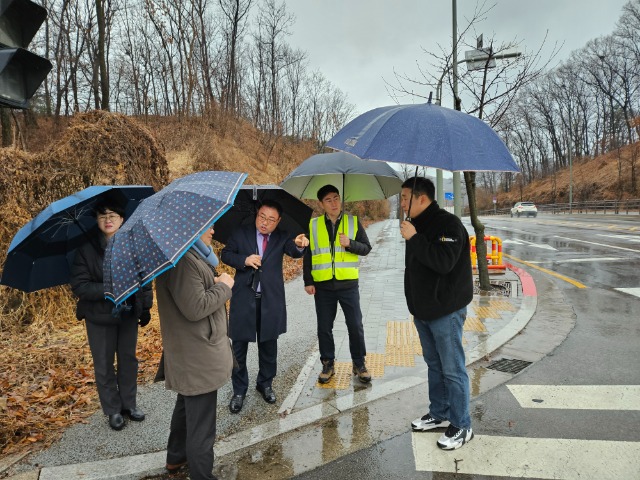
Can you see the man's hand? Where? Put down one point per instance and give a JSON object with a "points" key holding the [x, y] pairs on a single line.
{"points": [[253, 261], [301, 241], [226, 279], [310, 289], [344, 240], [407, 230]]}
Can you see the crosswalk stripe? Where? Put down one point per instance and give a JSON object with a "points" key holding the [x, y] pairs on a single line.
{"points": [[630, 291], [546, 458], [578, 397]]}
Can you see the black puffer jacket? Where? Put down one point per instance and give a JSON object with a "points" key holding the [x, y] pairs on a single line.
{"points": [[86, 283], [437, 279]]}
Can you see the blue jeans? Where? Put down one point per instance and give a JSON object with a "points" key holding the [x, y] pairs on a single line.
{"points": [[441, 341]]}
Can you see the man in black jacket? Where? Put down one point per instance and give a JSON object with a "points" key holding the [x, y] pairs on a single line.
{"points": [[438, 286], [330, 270]]}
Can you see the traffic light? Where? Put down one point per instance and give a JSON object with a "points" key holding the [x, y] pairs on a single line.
{"points": [[21, 72]]}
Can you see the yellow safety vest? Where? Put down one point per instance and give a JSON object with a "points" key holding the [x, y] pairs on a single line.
{"points": [[342, 264]]}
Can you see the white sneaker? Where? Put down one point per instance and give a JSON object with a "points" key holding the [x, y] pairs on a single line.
{"points": [[454, 438], [427, 422]]}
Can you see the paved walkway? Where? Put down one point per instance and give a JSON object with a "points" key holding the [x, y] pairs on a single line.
{"points": [[93, 451]]}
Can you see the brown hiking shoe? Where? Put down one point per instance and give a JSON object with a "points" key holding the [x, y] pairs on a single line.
{"points": [[327, 371], [363, 374]]}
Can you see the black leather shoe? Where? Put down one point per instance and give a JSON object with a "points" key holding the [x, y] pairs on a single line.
{"points": [[174, 467], [135, 414], [235, 405], [116, 421], [267, 393]]}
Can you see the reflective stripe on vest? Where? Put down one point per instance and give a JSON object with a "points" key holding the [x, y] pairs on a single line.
{"points": [[343, 265]]}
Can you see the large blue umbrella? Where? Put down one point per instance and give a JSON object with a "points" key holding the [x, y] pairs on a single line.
{"points": [[426, 135], [42, 251], [164, 227], [356, 179]]}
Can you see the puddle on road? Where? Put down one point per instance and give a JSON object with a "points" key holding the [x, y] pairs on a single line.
{"points": [[293, 454]]}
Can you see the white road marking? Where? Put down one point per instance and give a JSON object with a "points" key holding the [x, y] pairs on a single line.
{"points": [[599, 244], [629, 238], [578, 397], [581, 260], [630, 291], [530, 457], [530, 244]]}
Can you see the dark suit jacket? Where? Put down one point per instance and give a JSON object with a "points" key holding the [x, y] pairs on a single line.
{"points": [[242, 316]]}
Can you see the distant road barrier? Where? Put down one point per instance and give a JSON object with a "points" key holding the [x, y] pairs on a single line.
{"points": [[494, 259], [606, 207]]}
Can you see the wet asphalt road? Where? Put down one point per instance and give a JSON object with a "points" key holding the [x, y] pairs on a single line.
{"points": [[591, 333]]}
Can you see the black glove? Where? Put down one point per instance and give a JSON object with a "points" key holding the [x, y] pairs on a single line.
{"points": [[145, 318]]}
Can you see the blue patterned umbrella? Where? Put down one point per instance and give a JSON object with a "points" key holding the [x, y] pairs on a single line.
{"points": [[42, 251], [164, 227]]}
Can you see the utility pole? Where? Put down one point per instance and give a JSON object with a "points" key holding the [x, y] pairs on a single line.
{"points": [[457, 200]]}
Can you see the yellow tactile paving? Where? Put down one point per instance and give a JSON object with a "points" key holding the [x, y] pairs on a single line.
{"points": [[341, 379], [486, 312], [403, 333], [473, 324], [375, 364], [503, 305], [400, 356]]}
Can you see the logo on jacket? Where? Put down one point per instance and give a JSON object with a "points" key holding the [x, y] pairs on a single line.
{"points": [[448, 239]]}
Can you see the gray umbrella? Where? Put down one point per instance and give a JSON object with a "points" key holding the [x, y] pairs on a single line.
{"points": [[356, 179]]}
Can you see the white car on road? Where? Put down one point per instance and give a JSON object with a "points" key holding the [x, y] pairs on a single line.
{"points": [[528, 209]]}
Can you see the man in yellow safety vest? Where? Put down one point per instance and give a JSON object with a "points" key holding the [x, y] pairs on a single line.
{"points": [[336, 240]]}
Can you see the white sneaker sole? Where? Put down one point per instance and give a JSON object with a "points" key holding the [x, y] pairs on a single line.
{"points": [[431, 426], [456, 445]]}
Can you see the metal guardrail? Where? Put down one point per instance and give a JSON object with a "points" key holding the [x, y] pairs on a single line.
{"points": [[606, 207]]}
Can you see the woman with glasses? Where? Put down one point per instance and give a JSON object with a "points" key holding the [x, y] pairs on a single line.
{"points": [[111, 331]]}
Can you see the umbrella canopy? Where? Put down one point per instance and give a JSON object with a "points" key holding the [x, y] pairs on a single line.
{"points": [[295, 214], [164, 227], [426, 135], [42, 251], [356, 179]]}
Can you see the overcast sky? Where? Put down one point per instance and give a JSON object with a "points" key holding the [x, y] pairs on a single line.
{"points": [[357, 44]]}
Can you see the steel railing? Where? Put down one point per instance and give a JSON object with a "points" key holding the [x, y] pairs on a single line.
{"points": [[615, 207]]}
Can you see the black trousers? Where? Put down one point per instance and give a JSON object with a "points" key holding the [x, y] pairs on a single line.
{"points": [[326, 309], [193, 431], [116, 389], [267, 360]]}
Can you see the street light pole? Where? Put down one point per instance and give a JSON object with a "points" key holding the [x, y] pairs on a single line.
{"points": [[457, 203]]}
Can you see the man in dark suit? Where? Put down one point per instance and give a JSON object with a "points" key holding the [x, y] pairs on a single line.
{"points": [[258, 309]]}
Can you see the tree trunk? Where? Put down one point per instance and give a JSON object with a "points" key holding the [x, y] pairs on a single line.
{"points": [[5, 120], [478, 227], [102, 58]]}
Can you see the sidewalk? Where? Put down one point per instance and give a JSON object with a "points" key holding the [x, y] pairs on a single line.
{"points": [[93, 451]]}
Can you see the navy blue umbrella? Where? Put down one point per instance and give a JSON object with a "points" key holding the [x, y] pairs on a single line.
{"points": [[42, 251], [425, 135], [295, 214], [164, 227]]}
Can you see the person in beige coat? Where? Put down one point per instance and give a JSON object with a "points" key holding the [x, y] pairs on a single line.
{"points": [[197, 356]]}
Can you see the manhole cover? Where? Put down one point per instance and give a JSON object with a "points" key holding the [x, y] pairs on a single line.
{"points": [[508, 365]]}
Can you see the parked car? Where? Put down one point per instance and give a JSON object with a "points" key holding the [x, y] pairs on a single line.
{"points": [[524, 208]]}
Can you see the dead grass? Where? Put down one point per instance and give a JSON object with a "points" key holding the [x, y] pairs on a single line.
{"points": [[46, 373], [606, 177]]}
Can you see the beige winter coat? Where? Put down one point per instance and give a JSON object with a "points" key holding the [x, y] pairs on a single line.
{"points": [[193, 318]]}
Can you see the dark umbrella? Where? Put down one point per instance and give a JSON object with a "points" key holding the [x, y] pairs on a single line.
{"points": [[426, 135], [164, 227], [295, 214], [356, 179], [41, 252]]}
